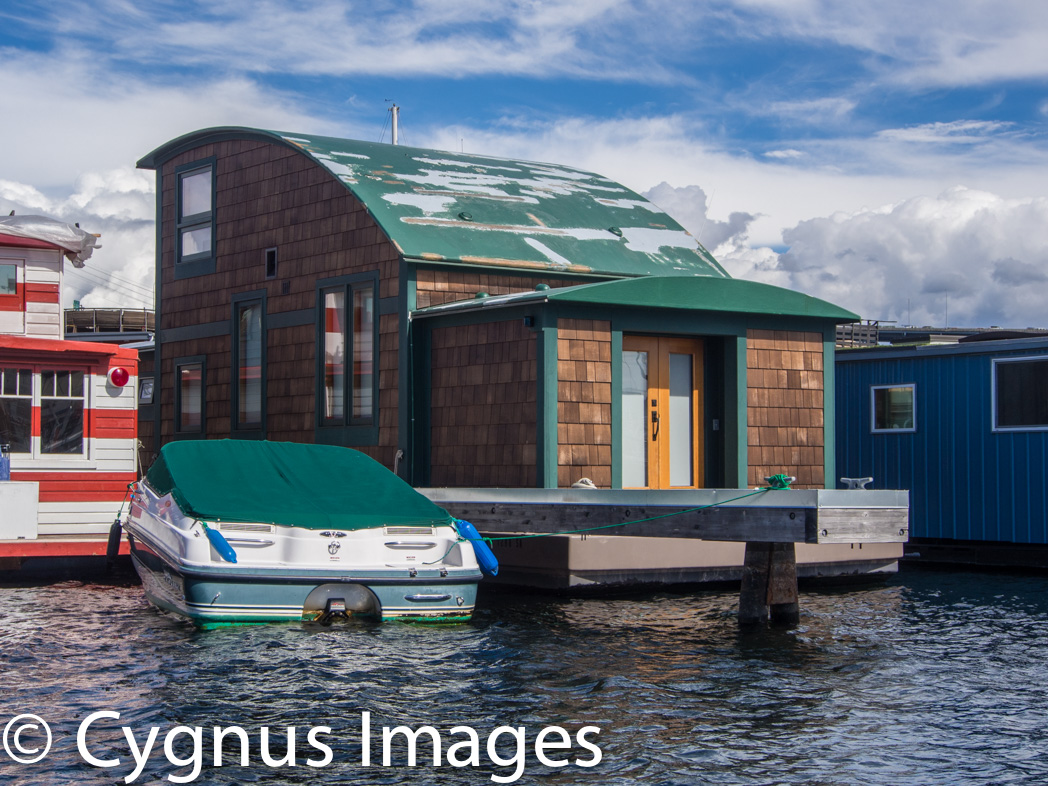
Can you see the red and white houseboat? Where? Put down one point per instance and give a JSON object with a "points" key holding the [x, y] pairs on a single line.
{"points": [[67, 408]]}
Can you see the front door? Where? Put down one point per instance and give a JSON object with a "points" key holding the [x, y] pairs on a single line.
{"points": [[661, 412]]}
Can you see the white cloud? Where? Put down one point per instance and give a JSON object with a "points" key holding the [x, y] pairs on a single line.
{"points": [[968, 132], [784, 155], [981, 256]]}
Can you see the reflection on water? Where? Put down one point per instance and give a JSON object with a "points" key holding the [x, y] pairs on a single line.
{"points": [[931, 679]]}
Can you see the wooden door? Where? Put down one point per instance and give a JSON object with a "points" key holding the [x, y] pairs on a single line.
{"points": [[662, 425]]}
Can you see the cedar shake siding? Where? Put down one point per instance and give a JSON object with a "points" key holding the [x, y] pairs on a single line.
{"points": [[270, 196], [785, 406], [583, 401], [483, 405], [435, 287]]}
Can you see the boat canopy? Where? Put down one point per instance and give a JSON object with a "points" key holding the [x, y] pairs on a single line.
{"points": [[287, 483]]}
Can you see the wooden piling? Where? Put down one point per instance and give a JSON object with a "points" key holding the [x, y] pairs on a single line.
{"points": [[769, 585]]}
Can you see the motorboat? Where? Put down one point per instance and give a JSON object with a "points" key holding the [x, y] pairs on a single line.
{"points": [[234, 531]]}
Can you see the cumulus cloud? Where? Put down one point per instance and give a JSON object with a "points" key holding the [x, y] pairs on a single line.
{"points": [[119, 206], [978, 255]]}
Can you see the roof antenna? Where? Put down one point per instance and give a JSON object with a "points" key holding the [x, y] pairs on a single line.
{"points": [[394, 110]]}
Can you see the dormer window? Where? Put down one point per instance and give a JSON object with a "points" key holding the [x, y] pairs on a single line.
{"points": [[195, 219]]}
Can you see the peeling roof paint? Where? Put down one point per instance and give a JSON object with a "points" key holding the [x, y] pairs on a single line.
{"points": [[482, 210], [475, 209]]}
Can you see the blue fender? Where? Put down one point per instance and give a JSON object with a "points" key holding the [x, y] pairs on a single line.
{"points": [[489, 566], [225, 551]]}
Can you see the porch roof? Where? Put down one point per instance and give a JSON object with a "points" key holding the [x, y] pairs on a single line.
{"points": [[699, 293]]}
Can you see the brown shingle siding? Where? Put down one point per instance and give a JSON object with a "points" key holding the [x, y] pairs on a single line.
{"points": [[583, 401], [784, 405], [483, 405]]}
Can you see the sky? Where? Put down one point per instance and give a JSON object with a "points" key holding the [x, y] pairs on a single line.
{"points": [[889, 157]]}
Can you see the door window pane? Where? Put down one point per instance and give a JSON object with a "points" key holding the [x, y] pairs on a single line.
{"points": [[634, 418], [681, 431], [249, 372]]}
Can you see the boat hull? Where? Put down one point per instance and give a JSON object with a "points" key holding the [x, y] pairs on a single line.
{"points": [[246, 595]]}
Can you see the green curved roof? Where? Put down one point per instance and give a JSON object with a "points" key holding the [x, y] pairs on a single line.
{"points": [[456, 207]]}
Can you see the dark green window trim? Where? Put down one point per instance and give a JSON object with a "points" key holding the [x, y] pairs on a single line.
{"points": [[181, 431], [204, 262], [249, 430], [347, 430]]}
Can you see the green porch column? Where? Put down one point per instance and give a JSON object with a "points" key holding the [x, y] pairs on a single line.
{"points": [[736, 441], [829, 409], [546, 390]]}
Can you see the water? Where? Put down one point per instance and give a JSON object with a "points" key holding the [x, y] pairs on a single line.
{"points": [[934, 678]]}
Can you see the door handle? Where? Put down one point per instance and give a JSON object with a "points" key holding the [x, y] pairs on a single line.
{"points": [[654, 425]]}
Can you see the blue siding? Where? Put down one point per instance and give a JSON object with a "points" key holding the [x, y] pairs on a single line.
{"points": [[966, 482]]}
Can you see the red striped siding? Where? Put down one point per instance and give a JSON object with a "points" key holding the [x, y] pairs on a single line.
{"points": [[112, 423], [86, 486], [41, 293]]}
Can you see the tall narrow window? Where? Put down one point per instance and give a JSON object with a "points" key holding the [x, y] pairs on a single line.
{"points": [[16, 409], [62, 412], [346, 358], [249, 341], [194, 219], [363, 352], [189, 395], [271, 262], [334, 355]]}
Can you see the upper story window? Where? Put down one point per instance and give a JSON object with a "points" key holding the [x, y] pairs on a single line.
{"points": [[60, 396], [195, 218], [893, 408], [1020, 394]]}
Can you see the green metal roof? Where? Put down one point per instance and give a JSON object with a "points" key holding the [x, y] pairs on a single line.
{"points": [[456, 207], [659, 292]]}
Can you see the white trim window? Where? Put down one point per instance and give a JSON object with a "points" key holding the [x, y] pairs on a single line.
{"points": [[60, 398], [1020, 394], [893, 408]]}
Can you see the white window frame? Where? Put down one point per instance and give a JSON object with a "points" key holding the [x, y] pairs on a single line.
{"points": [[873, 408], [993, 393], [37, 370]]}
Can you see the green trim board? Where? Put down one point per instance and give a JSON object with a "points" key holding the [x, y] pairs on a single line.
{"points": [[454, 207], [697, 295]]}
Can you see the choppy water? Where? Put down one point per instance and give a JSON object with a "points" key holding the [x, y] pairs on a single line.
{"points": [[935, 678]]}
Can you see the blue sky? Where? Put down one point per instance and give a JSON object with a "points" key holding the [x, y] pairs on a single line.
{"points": [[885, 156]]}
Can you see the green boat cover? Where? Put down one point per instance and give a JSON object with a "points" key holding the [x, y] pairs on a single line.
{"points": [[296, 485]]}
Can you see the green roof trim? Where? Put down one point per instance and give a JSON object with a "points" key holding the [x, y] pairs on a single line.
{"points": [[285, 483], [473, 209], [698, 293], [703, 294]]}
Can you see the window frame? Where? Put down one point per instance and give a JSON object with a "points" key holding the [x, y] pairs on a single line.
{"points": [[997, 428], [202, 262], [265, 263], [14, 301], [873, 408], [347, 430], [236, 428], [36, 398], [180, 363]]}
